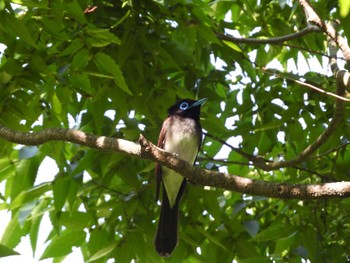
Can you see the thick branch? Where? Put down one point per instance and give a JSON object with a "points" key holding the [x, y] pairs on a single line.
{"points": [[342, 76], [146, 150], [313, 18], [75, 136]]}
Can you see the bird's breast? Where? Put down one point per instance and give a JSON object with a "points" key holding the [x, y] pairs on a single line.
{"points": [[182, 139]]}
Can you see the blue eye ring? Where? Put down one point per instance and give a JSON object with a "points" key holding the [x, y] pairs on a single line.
{"points": [[184, 106]]}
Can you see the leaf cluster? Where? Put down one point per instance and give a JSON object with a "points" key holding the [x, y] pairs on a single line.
{"points": [[113, 71]]}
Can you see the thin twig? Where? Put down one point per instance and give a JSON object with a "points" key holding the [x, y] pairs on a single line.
{"points": [[108, 188], [272, 40], [222, 161], [330, 151], [321, 90], [280, 74]]}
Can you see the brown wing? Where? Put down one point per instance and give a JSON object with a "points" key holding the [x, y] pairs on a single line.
{"points": [[160, 144]]}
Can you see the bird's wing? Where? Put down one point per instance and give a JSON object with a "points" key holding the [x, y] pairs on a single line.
{"points": [[160, 144]]}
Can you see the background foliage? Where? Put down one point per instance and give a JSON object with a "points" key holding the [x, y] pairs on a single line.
{"points": [[114, 71]]}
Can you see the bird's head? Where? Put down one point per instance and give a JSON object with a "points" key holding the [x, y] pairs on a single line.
{"points": [[187, 108]]}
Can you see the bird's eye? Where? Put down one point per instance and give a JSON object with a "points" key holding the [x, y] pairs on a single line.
{"points": [[183, 106]]}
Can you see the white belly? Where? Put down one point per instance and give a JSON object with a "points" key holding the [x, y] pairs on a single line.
{"points": [[183, 143]]}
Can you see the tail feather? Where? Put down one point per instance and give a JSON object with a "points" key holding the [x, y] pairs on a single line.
{"points": [[166, 236]]}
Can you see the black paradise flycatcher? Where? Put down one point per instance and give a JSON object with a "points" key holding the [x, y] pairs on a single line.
{"points": [[181, 134]]}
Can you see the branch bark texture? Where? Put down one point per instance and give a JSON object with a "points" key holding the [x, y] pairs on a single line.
{"points": [[146, 150], [314, 19]]}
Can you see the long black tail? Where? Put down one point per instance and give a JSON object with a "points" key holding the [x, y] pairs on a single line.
{"points": [[166, 236]]}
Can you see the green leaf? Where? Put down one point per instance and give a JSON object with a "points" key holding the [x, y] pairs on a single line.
{"points": [[38, 64], [101, 38], [11, 67], [275, 232], [6, 251], [62, 245], [82, 83], [12, 234], [81, 59], [233, 46], [213, 239], [76, 220], [283, 245], [17, 28], [73, 47], [108, 66], [26, 171], [254, 260], [103, 252], [29, 195], [344, 7], [2, 5], [73, 190], [54, 28], [75, 10], [208, 34], [36, 217], [7, 169], [57, 106], [60, 191], [100, 240], [246, 250], [5, 78]]}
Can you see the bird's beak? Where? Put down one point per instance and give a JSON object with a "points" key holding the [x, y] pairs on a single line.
{"points": [[199, 103]]}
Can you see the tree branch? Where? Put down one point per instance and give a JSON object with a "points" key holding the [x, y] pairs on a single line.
{"points": [[313, 18], [75, 136], [322, 138], [261, 163], [343, 83], [273, 40], [342, 76], [276, 73], [146, 150]]}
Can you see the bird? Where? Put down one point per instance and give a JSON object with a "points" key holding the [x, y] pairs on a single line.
{"points": [[181, 134]]}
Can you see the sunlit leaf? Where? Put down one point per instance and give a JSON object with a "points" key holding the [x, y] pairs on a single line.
{"points": [[6, 251], [12, 234], [29, 195], [62, 245], [107, 65], [344, 7], [102, 252]]}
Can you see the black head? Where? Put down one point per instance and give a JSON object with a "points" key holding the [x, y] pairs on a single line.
{"points": [[187, 108]]}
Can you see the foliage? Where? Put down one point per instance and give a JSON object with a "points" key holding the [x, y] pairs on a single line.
{"points": [[114, 71]]}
